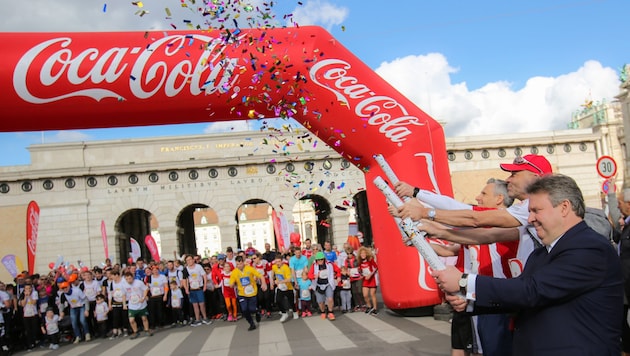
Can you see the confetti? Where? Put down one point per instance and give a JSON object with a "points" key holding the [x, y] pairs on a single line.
{"points": [[105, 7]]}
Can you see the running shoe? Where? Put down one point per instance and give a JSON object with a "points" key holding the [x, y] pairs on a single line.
{"points": [[206, 321], [323, 316], [331, 316]]}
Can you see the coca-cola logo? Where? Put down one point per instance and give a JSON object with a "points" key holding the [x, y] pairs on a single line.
{"points": [[94, 72], [333, 75], [33, 222]]}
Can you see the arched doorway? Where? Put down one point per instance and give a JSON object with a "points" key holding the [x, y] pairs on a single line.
{"points": [[254, 224], [363, 221], [311, 218], [187, 229], [136, 224]]}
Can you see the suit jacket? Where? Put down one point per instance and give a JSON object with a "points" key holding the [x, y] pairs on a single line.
{"points": [[623, 242], [567, 302]]}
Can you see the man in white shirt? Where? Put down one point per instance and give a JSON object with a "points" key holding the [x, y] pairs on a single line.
{"points": [[136, 304]]}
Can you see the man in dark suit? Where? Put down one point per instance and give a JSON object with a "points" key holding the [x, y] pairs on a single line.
{"points": [[622, 239], [569, 298]]}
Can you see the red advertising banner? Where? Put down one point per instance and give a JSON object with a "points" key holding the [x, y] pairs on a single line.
{"points": [[101, 79], [32, 227], [149, 241], [104, 237], [277, 228]]}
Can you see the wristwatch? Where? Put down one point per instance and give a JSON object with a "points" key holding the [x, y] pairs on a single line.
{"points": [[463, 283], [415, 192], [431, 214]]}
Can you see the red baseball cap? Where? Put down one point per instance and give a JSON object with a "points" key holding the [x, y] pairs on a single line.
{"points": [[534, 163]]}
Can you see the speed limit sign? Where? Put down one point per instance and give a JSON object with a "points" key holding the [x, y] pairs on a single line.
{"points": [[606, 167]]}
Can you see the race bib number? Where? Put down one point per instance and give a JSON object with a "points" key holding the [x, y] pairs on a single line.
{"points": [[366, 272], [118, 294], [90, 293], [43, 307], [194, 284], [283, 286], [175, 302], [30, 310], [247, 285], [156, 291], [354, 272], [305, 293], [323, 274], [134, 299], [345, 284], [226, 282]]}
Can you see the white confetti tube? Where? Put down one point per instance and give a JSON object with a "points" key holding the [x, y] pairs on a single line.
{"points": [[409, 227], [387, 169]]}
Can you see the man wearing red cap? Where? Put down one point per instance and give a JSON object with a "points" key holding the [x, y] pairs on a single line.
{"points": [[523, 172]]}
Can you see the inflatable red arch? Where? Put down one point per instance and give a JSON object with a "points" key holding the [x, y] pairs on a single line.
{"points": [[56, 81]]}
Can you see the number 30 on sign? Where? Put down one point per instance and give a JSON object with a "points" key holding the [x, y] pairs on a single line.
{"points": [[606, 167]]}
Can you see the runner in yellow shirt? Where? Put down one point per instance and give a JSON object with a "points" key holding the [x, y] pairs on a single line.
{"points": [[244, 279]]}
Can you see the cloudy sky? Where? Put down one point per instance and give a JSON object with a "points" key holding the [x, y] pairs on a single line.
{"points": [[479, 67]]}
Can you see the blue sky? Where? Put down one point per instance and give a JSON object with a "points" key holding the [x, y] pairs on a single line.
{"points": [[479, 67]]}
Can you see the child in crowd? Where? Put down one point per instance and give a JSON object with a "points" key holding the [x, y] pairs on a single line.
{"points": [[50, 328], [28, 302], [368, 268], [175, 300], [305, 294], [346, 292], [100, 312], [228, 293]]}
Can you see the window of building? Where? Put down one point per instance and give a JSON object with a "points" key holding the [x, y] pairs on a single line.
{"points": [[566, 148], [91, 182], [48, 184], [70, 183], [27, 186]]}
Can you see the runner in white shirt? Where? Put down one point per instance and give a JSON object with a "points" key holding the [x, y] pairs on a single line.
{"points": [[136, 296], [195, 283]]}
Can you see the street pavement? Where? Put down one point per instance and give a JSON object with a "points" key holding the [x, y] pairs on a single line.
{"points": [[350, 334]]}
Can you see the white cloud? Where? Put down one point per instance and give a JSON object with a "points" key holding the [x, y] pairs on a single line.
{"points": [[227, 126], [544, 103], [322, 13], [65, 136]]}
